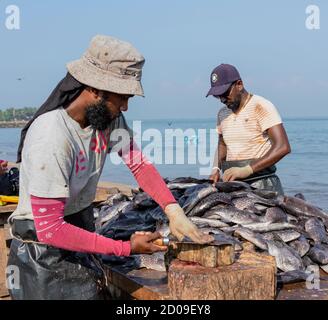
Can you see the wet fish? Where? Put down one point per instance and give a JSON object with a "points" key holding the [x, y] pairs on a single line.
{"points": [[299, 196], [316, 230], [203, 222], [109, 213], [195, 195], [319, 254], [232, 186], [308, 262], [293, 276], [143, 200], [275, 214], [287, 258], [299, 207], [301, 245], [267, 194], [155, 261], [115, 199], [242, 203], [268, 226], [252, 237], [185, 182], [231, 214], [209, 202], [285, 235]]}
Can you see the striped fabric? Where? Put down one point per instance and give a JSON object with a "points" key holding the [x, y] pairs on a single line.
{"points": [[245, 133]]}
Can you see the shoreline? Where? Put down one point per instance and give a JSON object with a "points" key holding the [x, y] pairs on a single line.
{"points": [[13, 124]]}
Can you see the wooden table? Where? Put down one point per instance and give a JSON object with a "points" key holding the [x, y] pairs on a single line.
{"points": [[144, 284]]}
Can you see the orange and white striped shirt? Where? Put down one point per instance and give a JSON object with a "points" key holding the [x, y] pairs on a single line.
{"points": [[245, 133]]}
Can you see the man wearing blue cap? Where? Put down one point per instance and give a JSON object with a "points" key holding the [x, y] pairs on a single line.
{"points": [[252, 138]]}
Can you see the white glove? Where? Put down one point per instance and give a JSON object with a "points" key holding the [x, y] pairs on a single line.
{"points": [[181, 226]]}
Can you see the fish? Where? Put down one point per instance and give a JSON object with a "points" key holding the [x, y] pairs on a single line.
{"points": [[268, 226], [267, 194], [252, 237], [299, 207], [293, 276], [285, 235], [114, 199], [108, 213], [275, 214], [232, 214], [143, 200], [209, 202], [308, 262], [319, 254], [242, 203], [301, 245], [195, 195], [299, 196], [203, 222], [163, 228], [186, 182], [155, 261], [232, 186], [287, 258], [316, 230]]}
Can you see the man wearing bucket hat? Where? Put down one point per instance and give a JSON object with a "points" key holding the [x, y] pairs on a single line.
{"points": [[62, 153], [252, 138]]}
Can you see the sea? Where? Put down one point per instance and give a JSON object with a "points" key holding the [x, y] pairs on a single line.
{"points": [[184, 148]]}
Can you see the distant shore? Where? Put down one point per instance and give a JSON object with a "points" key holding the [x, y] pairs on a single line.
{"points": [[13, 124]]}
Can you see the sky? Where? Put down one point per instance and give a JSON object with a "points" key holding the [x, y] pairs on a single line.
{"points": [[182, 41]]}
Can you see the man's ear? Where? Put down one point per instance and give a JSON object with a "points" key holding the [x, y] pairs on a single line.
{"points": [[240, 85]]}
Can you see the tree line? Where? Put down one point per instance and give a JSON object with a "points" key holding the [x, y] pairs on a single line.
{"points": [[13, 114]]}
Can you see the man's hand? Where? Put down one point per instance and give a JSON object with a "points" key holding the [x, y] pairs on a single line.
{"points": [[215, 176], [181, 226], [141, 242], [3, 167], [235, 173]]}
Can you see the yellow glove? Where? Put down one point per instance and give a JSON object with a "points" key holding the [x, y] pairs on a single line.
{"points": [[181, 226], [237, 173]]}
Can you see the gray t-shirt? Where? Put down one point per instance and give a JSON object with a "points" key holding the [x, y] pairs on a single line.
{"points": [[62, 160]]}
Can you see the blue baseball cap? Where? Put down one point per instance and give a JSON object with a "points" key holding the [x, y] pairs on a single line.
{"points": [[221, 79]]}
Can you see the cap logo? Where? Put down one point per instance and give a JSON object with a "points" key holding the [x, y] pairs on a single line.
{"points": [[214, 77]]}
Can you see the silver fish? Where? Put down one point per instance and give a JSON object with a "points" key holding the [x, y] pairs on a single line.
{"points": [[203, 222], [252, 237], [299, 207], [285, 235], [209, 202], [316, 230], [287, 258], [232, 186], [195, 195], [292, 276], [301, 245], [231, 214], [319, 254], [268, 226], [275, 214]]}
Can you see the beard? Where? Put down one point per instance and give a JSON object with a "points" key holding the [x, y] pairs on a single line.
{"points": [[98, 115], [234, 106]]}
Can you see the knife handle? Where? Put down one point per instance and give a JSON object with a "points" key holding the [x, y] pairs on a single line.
{"points": [[162, 241]]}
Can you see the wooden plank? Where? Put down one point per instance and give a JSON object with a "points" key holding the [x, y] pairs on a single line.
{"points": [[3, 263], [251, 277]]}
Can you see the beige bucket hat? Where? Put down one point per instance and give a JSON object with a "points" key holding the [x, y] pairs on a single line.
{"points": [[110, 64]]}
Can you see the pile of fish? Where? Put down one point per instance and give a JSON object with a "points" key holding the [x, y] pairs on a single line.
{"points": [[286, 227]]}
